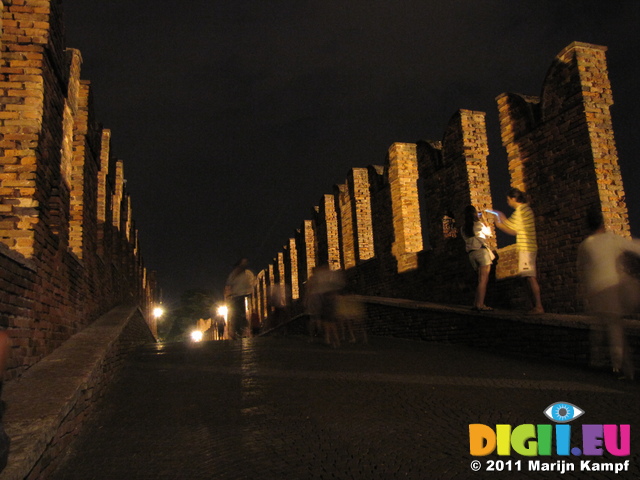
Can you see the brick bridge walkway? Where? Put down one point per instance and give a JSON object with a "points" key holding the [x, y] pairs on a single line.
{"points": [[282, 408]]}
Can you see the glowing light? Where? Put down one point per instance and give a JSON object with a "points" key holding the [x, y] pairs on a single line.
{"points": [[196, 336], [222, 311], [158, 312]]}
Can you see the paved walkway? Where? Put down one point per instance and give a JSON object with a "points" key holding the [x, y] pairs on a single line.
{"points": [[281, 408]]}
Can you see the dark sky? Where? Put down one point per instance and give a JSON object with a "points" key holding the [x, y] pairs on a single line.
{"points": [[234, 117]]}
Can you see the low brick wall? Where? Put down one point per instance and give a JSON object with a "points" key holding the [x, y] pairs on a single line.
{"points": [[557, 337], [48, 404]]}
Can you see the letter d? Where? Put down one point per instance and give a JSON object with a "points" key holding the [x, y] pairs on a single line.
{"points": [[482, 440]]}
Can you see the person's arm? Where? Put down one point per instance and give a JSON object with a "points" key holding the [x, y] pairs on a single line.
{"points": [[506, 229], [503, 223]]}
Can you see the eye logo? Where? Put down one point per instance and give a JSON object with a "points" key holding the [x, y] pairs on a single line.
{"points": [[563, 412]]}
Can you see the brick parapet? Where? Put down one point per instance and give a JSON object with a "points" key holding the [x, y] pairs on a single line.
{"points": [[560, 150], [559, 145], [75, 377], [56, 199], [22, 93]]}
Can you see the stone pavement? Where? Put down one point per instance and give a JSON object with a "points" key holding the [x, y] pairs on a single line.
{"points": [[282, 408]]}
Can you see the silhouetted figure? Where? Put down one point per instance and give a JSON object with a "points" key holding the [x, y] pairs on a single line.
{"points": [[475, 233], [238, 288], [609, 291], [522, 224], [219, 327]]}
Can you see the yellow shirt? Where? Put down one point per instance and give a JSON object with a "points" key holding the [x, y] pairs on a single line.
{"points": [[523, 222]]}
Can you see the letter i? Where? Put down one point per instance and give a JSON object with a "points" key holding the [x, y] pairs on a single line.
{"points": [[545, 432], [563, 439], [503, 432]]}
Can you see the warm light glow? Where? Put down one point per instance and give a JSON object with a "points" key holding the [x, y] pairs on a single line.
{"points": [[196, 336], [158, 312], [222, 311]]}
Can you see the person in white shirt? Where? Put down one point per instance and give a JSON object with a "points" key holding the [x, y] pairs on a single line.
{"points": [[475, 233], [609, 292]]}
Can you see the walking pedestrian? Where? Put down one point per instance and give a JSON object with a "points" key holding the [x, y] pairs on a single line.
{"points": [[609, 291]]}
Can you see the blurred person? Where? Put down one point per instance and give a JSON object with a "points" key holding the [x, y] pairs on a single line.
{"points": [[238, 288], [279, 296], [475, 233], [351, 315], [609, 291], [312, 303], [522, 224], [204, 325], [321, 295]]}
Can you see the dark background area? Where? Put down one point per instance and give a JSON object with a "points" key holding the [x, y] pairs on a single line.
{"points": [[233, 118]]}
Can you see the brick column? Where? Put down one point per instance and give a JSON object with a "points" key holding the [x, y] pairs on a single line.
{"points": [[30, 136], [405, 205], [346, 227], [327, 233], [293, 262], [360, 193]]}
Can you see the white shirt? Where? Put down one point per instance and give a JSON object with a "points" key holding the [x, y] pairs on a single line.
{"points": [[481, 233], [599, 258]]}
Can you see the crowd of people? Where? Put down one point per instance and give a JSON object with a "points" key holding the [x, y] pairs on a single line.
{"points": [[333, 314]]}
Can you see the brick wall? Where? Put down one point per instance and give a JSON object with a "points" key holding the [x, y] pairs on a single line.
{"points": [[75, 377], [68, 245], [560, 150], [408, 212]]}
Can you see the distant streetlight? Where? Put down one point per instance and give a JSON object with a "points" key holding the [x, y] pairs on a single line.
{"points": [[158, 312], [196, 336], [223, 311]]}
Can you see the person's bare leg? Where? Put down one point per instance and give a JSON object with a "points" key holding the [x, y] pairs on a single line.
{"points": [[534, 288], [481, 290]]}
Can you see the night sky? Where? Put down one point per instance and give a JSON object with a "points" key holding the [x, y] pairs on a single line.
{"points": [[234, 117]]}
